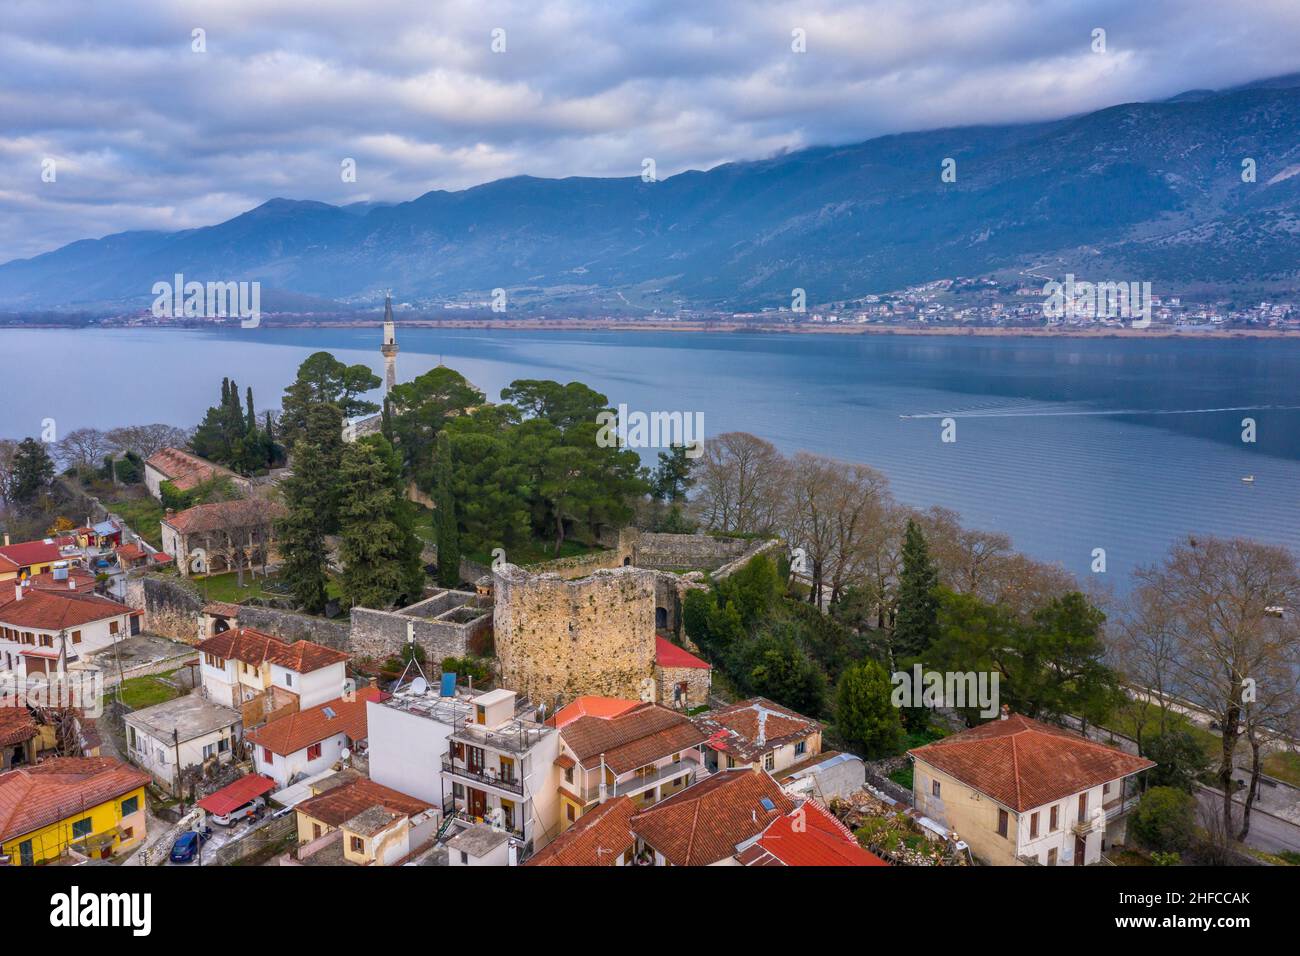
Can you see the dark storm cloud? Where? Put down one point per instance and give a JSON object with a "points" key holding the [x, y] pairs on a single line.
{"points": [[147, 134]]}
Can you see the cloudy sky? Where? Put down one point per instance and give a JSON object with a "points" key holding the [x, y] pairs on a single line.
{"points": [[146, 133]]}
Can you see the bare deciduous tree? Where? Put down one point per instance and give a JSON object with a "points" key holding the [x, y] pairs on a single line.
{"points": [[739, 484]]}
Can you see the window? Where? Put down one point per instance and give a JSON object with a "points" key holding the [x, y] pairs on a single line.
{"points": [[130, 805], [315, 831], [568, 812], [1053, 822], [223, 745], [209, 751], [267, 756], [1002, 823], [1033, 826], [769, 761], [112, 627], [81, 828], [1051, 857], [76, 637], [568, 775], [313, 752], [358, 845], [731, 761], [464, 858], [801, 748], [288, 679], [934, 788], [1083, 805]]}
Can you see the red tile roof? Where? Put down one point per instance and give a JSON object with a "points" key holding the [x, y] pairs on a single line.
{"points": [[55, 789], [46, 580], [54, 610], [637, 737], [706, 822], [753, 727], [254, 647], [668, 654], [184, 470], [16, 726], [599, 838], [339, 805], [220, 515], [298, 731], [237, 794], [1023, 763], [27, 553], [808, 836], [590, 706]]}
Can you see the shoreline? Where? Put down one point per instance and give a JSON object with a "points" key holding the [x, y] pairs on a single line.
{"points": [[580, 325]]}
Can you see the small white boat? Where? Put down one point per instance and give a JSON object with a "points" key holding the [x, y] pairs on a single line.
{"points": [[1248, 479]]}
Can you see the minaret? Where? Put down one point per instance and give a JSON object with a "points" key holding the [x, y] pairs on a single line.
{"points": [[389, 348]]}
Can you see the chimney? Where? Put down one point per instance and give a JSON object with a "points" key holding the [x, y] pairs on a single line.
{"points": [[170, 512], [6, 539], [18, 591], [1006, 711], [72, 584]]}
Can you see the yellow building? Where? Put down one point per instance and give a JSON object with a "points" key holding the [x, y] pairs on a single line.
{"points": [[26, 559], [95, 805]]}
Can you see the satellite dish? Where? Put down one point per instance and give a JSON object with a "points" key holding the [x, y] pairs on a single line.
{"points": [[344, 754], [419, 685]]}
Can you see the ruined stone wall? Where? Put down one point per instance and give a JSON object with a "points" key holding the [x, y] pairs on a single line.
{"points": [[558, 639], [291, 626], [686, 551], [171, 606], [697, 681], [379, 635]]}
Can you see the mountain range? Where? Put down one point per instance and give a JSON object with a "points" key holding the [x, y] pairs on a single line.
{"points": [[1141, 191]]}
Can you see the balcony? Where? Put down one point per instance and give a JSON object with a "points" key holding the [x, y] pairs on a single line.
{"points": [[631, 786], [486, 776]]}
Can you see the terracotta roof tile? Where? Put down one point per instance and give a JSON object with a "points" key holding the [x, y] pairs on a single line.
{"points": [[638, 736], [668, 654], [590, 706], [297, 731], [1023, 763], [26, 553], [706, 822], [808, 836], [240, 513], [184, 470], [54, 610], [36, 796], [752, 727], [254, 647], [335, 807], [16, 726], [598, 838]]}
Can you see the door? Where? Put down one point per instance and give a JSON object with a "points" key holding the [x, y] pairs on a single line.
{"points": [[25, 857], [475, 761], [477, 803], [1080, 850]]}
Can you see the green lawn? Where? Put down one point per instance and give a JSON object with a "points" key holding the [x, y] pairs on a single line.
{"points": [[1124, 723], [1284, 765], [225, 586], [140, 692], [143, 514]]}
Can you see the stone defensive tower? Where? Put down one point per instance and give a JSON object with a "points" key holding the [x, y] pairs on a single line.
{"points": [[389, 348], [557, 639]]}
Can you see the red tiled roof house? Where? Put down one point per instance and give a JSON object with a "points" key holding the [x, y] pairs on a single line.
{"points": [[243, 665], [1020, 791], [185, 471], [216, 536], [42, 631], [311, 740]]}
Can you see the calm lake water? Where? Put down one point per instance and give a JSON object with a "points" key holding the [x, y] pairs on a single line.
{"points": [[1065, 444]]}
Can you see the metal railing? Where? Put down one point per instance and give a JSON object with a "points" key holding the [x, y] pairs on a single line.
{"points": [[484, 776]]}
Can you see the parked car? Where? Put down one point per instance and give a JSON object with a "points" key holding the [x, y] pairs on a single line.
{"points": [[250, 809], [186, 847]]}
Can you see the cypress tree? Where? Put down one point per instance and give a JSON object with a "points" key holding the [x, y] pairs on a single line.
{"points": [[378, 545], [917, 623], [308, 496], [448, 531]]}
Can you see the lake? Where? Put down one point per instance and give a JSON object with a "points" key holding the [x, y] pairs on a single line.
{"points": [[1065, 444]]}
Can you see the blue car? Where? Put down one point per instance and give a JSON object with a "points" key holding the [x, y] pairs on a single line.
{"points": [[186, 847]]}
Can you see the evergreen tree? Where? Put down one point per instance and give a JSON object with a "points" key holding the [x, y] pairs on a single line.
{"points": [[309, 497], [865, 717], [31, 473], [448, 531], [917, 624], [379, 548], [671, 478]]}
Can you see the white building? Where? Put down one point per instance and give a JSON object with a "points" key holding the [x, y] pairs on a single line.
{"points": [[42, 631], [481, 757], [243, 664], [309, 741], [171, 737]]}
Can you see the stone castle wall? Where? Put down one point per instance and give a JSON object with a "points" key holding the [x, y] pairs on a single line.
{"points": [[171, 606], [558, 639]]}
